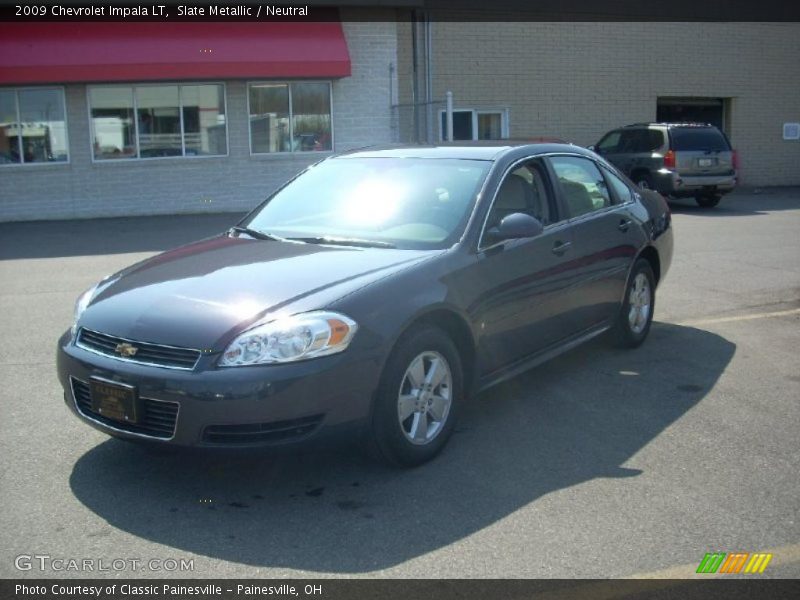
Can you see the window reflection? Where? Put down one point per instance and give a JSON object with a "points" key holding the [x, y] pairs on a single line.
{"points": [[44, 131], [204, 119], [311, 116], [114, 134], [159, 121], [152, 121], [292, 117], [9, 128], [269, 118], [33, 126]]}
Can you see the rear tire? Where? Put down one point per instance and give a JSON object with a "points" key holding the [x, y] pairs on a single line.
{"points": [[636, 314], [418, 399], [707, 201], [644, 181]]}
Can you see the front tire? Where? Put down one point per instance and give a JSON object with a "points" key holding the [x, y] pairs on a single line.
{"points": [[418, 399], [636, 316]]}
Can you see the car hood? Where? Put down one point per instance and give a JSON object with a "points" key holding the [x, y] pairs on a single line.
{"points": [[201, 295]]}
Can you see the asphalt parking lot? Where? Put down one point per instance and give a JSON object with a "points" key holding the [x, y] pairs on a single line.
{"points": [[602, 463]]}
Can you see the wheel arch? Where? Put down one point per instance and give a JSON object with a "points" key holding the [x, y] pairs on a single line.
{"points": [[650, 254], [456, 326], [639, 171]]}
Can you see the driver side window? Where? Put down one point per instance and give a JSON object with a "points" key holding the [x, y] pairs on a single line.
{"points": [[524, 190]]}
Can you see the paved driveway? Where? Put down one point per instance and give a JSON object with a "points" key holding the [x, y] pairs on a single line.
{"points": [[601, 463]]}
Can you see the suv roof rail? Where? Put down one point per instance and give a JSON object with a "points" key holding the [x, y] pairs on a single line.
{"points": [[671, 124]]}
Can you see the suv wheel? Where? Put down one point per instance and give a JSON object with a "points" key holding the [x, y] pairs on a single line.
{"points": [[708, 201], [644, 181], [418, 399]]}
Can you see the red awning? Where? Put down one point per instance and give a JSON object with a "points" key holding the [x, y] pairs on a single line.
{"points": [[33, 53]]}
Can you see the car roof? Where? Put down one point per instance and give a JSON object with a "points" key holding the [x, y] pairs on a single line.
{"points": [[481, 150]]}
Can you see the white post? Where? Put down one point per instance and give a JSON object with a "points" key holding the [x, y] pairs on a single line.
{"points": [[449, 118]]}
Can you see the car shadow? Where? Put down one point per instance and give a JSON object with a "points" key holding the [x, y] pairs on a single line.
{"points": [[577, 418], [742, 204], [49, 239]]}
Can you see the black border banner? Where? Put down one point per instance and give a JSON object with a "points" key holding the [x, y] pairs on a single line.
{"points": [[401, 589], [381, 10]]}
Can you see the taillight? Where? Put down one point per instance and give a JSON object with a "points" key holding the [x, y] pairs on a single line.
{"points": [[669, 159], [735, 160]]}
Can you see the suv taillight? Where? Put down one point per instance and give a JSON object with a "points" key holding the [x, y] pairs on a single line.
{"points": [[669, 159], [735, 160]]}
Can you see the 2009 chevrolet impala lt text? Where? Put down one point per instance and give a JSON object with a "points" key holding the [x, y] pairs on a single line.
{"points": [[376, 291]]}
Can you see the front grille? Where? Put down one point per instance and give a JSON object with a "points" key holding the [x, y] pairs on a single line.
{"points": [[259, 433], [158, 421], [146, 353]]}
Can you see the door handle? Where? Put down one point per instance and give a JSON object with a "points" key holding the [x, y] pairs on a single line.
{"points": [[560, 247], [624, 225]]}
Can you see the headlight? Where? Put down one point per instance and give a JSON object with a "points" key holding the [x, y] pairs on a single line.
{"points": [[298, 337], [80, 305]]}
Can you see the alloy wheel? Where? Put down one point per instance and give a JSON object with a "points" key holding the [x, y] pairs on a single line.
{"points": [[425, 397], [639, 301]]}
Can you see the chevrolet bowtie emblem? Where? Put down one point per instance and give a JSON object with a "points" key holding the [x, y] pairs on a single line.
{"points": [[125, 349]]}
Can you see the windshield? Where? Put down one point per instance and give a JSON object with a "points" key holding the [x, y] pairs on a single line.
{"points": [[411, 203]]}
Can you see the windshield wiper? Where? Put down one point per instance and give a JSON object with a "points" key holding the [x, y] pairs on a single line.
{"points": [[255, 233], [342, 242]]}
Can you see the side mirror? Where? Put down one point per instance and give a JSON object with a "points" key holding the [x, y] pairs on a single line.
{"points": [[593, 148], [515, 226]]}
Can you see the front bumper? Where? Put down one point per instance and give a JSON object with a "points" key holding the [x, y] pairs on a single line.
{"points": [[673, 184], [236, 407]]}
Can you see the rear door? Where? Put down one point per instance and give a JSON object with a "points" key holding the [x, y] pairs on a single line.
{"points": [[701, 151], [604, 239]]}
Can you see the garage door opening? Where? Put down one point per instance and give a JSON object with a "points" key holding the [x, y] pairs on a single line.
{"points": [[693, 110]]}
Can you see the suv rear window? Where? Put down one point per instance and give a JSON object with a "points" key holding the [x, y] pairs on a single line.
{"points": [[700, 138]]}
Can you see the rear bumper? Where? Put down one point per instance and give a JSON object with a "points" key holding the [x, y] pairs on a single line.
{"points": [[673, 184], [234, 407]]}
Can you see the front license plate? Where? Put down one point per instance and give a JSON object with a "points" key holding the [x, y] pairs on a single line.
{"points": [[114, 401], [705, 162]]}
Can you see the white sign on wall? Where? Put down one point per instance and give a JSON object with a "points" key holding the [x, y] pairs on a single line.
{"points": [[791, 131]]}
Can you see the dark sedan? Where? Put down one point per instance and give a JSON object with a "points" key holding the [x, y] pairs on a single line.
{"points": [[373, 293]]}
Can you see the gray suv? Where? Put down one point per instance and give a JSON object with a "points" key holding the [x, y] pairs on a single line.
{"points": [[676, 159]]}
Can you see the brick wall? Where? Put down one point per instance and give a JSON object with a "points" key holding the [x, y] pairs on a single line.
{"points": [[578, 80], [235, 182]]}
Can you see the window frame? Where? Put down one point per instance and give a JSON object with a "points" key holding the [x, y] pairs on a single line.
{"points": [[16, 90], [562, 219], [504, 121], [289, 83], [605, 170], [564, 205], [135, 107]]}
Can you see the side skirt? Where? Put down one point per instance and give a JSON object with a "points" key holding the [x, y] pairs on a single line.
{"points": [[534, 360]]}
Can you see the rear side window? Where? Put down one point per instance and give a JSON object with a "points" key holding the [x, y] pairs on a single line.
{"points": [[698, 138], [655, 139], [621, 189], [582, 184]]}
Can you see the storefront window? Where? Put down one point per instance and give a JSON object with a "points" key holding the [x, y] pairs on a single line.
{"points": [[269, 118], [292, 117], [114, 133], [204, 119], [33, 126], [170, 120], [159, 121], [311, 116]]}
